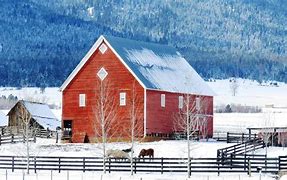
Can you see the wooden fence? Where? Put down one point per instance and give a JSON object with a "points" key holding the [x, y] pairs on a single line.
{"points": [[234, 137], [161, 165], [11, 138], [239, 149], [239, 137]]}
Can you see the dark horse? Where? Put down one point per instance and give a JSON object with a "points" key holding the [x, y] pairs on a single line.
{"points": [[146, 152]]}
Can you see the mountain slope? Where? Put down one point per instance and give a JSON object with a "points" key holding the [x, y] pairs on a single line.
{"points": [[220, 38]]}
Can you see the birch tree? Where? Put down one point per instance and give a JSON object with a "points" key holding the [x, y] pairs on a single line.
{"points": [[105, 115], [135, 121], [24, 118], [192, 119], [186, 121], [234, 85]]}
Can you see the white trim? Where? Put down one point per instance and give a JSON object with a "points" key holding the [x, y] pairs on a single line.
{"points": [[87, 57], [145, 99]]}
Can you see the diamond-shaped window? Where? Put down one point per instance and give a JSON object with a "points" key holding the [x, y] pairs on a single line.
{"points": [[102, 73], [103, 48]]}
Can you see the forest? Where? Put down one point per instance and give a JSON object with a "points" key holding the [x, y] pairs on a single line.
{"points": [[42, 41]]}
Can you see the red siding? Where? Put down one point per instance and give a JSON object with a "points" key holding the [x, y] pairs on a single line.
{"points": [[161, 119], [85, 82]]}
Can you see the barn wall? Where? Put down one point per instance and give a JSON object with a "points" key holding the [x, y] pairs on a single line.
{"points": [[162, 119], [87, 82]]}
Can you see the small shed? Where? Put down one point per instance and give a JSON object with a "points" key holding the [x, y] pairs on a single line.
{"points": [[276, 136], [41, 115]]}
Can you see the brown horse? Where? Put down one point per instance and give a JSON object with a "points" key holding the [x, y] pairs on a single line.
{"points": [[146, 152]]}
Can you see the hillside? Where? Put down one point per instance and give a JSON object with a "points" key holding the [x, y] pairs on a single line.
{"points": [[42, 41]]}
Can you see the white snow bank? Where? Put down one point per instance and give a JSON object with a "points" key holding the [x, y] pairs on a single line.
{"points": [[250, 93]]}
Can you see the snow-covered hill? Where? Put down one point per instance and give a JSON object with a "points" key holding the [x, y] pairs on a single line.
{"points": [[250, 93]]}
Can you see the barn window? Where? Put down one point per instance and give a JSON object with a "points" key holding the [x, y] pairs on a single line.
{"points": [[162, 100], [82, 100], [197, 103], [103, 48], [180, 102], [122, 99]]}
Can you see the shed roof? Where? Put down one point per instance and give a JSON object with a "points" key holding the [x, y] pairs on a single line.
{"points": [[155, 66], [42, 114]]}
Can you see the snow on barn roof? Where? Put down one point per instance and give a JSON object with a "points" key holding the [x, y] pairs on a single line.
{"points": [[3, 119], [155, 66], [42, 114]]}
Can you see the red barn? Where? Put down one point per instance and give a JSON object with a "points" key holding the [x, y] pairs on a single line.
{"points": [[158, 74]]}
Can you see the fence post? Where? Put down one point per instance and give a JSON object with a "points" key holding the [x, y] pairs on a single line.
{"points": [[242, 137], [227, 137], [34, 139], [59, 164], [135, 165], [265, 162], [161, 165], [13, 163], [218, 162], [35, 165], [231, 157], [109, 165], [0, 139], [244, 161], [84, 164], [12, 138], [279, 163], [249, 167], [57, 136]]}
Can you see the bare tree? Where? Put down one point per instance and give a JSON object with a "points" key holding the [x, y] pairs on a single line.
{"points": [[267, 133], [192, 119], [105, 115], [234, 85], [186, 121], [25, 122], [136, 128]]}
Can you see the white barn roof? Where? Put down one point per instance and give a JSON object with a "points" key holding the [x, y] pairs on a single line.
{"points": [[42, 114], [155, 66]]}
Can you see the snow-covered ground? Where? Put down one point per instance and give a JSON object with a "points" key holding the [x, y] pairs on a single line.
{"points": [[250, 93], [48, 147], [46, 175]]}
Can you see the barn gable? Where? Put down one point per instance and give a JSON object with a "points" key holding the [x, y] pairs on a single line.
{"points": [[155, 66]]}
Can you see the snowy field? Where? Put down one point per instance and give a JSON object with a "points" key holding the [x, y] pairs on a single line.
{"points": [[250, 93], [46, 175], [47, 147]]}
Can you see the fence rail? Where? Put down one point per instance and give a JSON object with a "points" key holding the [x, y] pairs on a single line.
{"points": [[239, 149], [230, 137], [11, 138], [240, 164]]}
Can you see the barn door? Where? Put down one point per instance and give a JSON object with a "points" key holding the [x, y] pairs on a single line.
{"points": [[67, 130]]}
